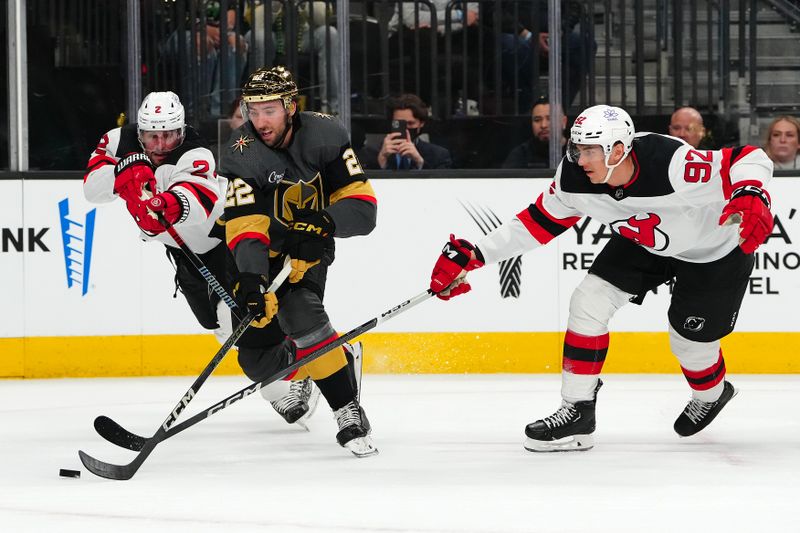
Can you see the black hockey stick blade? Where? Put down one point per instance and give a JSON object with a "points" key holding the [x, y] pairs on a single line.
{"points": [[120, 472], [116, 434]]}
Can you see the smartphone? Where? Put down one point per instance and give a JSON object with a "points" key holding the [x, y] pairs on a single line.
{"points": [[399, 126]]}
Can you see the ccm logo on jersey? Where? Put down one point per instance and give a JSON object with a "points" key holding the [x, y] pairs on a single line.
{"points": [[643, 230]]}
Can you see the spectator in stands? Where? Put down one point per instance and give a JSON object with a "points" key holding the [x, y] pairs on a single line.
{"points": [[535, 152], [687, 123], [210, 71], [409, 152], [314, 33], [783, 136], [525, 45]]}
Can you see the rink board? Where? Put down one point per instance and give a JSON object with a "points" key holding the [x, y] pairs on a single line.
{"points": [[85, 297]]}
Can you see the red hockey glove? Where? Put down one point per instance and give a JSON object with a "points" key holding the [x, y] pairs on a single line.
{"points": [[132, 173], [448, 277], [749, 207], [168, 204]]}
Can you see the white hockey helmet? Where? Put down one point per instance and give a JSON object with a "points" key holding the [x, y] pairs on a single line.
{"points": [[161, 111], [605, 126]]}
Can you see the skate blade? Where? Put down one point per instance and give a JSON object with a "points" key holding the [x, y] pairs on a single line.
{"points": [[362, 447], [574, 443]]}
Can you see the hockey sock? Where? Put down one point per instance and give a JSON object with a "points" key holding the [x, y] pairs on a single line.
{"points": [[581, 364]]}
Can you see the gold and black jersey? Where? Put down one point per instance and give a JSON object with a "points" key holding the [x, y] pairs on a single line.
{"points": [[317, 170]]}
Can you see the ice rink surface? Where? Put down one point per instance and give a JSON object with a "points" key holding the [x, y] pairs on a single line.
{"points": [[451, 460]]}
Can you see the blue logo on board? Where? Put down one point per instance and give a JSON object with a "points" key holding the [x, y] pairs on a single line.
{"points": [[77, 237]]}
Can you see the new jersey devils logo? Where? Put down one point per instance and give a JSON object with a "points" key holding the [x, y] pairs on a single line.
{"points": [[643, 230]]}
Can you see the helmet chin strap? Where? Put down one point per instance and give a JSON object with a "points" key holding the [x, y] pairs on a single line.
{"points": [[612, 167]]}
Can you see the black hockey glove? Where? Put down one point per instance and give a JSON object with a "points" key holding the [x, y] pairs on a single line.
{"points": [[250, 293], [308, 235]]}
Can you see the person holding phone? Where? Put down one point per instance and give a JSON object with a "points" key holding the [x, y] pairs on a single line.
{"points": [[402, 149]]}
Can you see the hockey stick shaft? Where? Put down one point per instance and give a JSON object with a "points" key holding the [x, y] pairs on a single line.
{"points": [[122, 472], [198, 264], [114, 433], [316, 354]]}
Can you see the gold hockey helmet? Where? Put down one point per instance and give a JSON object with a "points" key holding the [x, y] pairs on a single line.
{"points": [[267, 84]]}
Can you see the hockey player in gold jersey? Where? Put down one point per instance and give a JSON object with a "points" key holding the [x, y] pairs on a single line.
{"points": [[294, 184]]}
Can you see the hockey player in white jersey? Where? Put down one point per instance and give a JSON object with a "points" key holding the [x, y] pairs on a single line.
{"points": [[161, 165], [693, 217]]}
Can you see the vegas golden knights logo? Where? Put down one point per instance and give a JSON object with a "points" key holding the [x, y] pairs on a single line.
{"points": [[293, 195]]}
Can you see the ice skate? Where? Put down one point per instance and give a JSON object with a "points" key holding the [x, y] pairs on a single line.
{"points": [[698, 414], [354, 430], [299, 403], [570, 428]]}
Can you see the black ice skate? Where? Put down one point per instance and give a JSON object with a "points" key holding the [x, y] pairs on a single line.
{"points": [[698, 414], [568, 429], [354, 430], [299, 404]]}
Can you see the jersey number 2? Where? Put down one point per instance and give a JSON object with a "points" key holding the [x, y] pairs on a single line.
{"points": [[351, 162]]}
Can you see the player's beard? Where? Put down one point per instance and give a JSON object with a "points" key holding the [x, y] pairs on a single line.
{"points": [[287, 126]]}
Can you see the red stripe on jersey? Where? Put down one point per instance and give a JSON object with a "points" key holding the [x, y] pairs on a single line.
{"points": [[248, 235], [364, 197], [727, 162], [566, 222], [743, 152], [206, 198], [97, 162], [533, 227], [573, 366], [725, 173], [577, 340]]}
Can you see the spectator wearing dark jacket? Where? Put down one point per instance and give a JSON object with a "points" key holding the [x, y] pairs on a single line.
{"points": [[535, 152], [409, 152]]}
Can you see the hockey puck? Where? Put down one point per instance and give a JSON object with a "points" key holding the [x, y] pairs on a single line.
{"points": [[69, 473]]}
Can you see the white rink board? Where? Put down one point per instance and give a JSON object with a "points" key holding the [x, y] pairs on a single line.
{"points": [[130, 284]]}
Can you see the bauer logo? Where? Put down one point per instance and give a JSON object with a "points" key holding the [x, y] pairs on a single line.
{"points": [[77, 236]]}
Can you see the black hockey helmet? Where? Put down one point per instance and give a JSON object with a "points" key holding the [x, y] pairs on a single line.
{"points": [[267, 84]]}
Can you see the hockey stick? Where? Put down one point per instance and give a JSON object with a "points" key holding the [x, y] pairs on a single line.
{"points": [[107, 428], [198, 264], [123, 472]]}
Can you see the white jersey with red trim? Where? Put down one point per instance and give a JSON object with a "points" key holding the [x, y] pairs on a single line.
{"points": [[189, 171], [671, 206]]}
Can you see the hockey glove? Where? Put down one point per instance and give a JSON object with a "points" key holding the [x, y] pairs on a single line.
{"points": [[750, 208], [169, 204], [458, 257], [131, 174], [306, 239], [249, 291]]}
